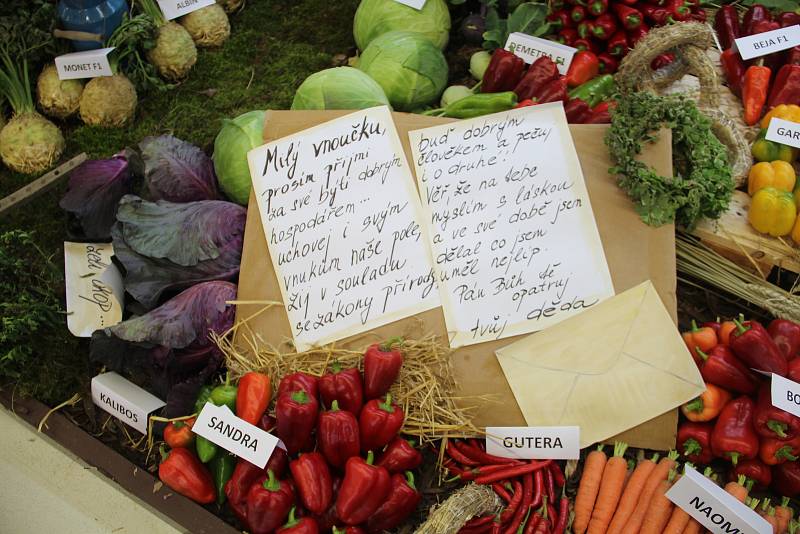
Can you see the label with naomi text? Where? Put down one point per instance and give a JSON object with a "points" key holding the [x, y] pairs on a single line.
{"points": [[219, 425], [534, 442], [765, 43], [173, 9], [86, 64], [416, 4], [516, 248], [94, 288], [124, 400], [713, 507], [531, 48], [784, 132], [343, 225]]}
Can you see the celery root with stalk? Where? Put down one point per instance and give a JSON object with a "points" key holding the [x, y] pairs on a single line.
{"points": [[57, 98], [208, 26], [174, 53]]}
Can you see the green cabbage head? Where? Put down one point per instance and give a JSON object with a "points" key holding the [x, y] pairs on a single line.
{"points": [[410, 68], [376, 17], [236, 138], [339, 88]]}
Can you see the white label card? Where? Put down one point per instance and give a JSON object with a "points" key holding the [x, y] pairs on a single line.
{"points": [[765, 43], [173, 9], [784, 132], [532, 48], [344, 228], [534, 442], [416, 4], [95, 293], [713, 507], [218, 425], [124, 400], [86, 64], [516, 248], [785, 394]]}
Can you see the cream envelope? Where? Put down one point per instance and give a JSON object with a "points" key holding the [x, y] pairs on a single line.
{"points": [[614, 366]]}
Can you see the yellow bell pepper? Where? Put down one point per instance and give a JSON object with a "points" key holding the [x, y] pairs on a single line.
{"points": [[796, 231], [789, 112], [772, 212], [778, 174]]}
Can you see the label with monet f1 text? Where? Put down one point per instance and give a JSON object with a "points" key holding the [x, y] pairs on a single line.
{"points": [[534, 442], [218, 425], [86, 64]]}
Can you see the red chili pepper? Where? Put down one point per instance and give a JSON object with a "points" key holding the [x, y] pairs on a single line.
{"points": [[754, 14], [786, 479], [313, 480], [754, 470], [631, 18], [296, 418], [364, 488], [344, 386], [541, 71], [514, 504], [678, 10], [502, 74], [733, 436], [699, 14], [726, 24], [608, 63], [501, 492], [578, 14], [183, 473], [604, 27], [294, 525], [268, 504], [634, 36], [721, 368], [598, 7], [754, 346], [577, 111], [567, 36], [379, 423], [583, 68], [299, 382], [513, 471], [560, 20], [538, 488], [734, 68], [474, 451], [382, 363], [563, 515], [253, 396], [585, 29], [786, 90], [558, 475], [524, 507], [777, 451], [618, 44], [772, 422], [399, 456], [694, 442], [179, 434], [459, 456], [402, 501], [550, 486], [337, 435]]}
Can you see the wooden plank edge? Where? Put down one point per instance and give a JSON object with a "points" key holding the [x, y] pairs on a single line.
{"points": [[40, 185]]}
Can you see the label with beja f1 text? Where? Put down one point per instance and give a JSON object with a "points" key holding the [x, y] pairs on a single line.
{"points": [[173, 9], [219, 425], [86, 64], [124, 400], [784, 132], [534, 442], [416, 4], [532, 48], [785, 394], [765, 43], [713, 507]]}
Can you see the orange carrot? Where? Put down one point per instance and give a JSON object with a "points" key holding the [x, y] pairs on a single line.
{"points": [[678, 521], [658, 475], [588, 488], [793, 526], [693, 527], [631, 494], [660, 508], [738, 489], [610, 490], [783, 514], [772, 520]]}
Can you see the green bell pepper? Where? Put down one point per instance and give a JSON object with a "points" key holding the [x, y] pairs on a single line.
{"points": [[206, 450], [225, 394], [481, 104], [765, 150], [595, 90], [222, 466], [202, 398]]}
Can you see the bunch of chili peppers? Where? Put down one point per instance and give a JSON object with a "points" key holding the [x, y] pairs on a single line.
{"points": [[532, 490], [734, 419]]}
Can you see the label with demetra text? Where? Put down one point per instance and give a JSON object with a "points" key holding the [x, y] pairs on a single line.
{"points": [[124, 400], [534, 442], [765, 43], [218, 425], [713, 507], [87, 64], [532, 48], [173, 9], [784, 132], [416, 4], [785, 394]]}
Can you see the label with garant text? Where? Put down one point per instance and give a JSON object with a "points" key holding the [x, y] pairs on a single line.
{"points": [[124, 400], [173, 9], [713, 507], [532, 48], [416, 4], [87, 64], [785, 394], [784, 132], [218, 425], [534, 442], [765, 43]]}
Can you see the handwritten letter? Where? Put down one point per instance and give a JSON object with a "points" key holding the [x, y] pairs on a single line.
{"points": [[94, 287], [343, 224], [514, 240]]}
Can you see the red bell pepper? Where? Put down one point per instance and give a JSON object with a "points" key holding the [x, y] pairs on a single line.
{"points": [[608, 63], [348, 530], [313, 480], [726, 24], [772, 422], [296, 418], [694, 442], [713, 325], [364, 489], [601, 113], [244, 476], [567, 36], [299, 382], [585, 29], [402, 500], [734, 68], [344, 386], [578, 14], [268, 503], [789, 18], [554, 91], [708, 405], [577, 111], [382, 363], [503, 73], [754, 470], [721, 368], [337, 435], [183, 473], [399, 456], [179, 434], [253, 397], [584, 44], [541, 71], [754, 14], [598, 7], [699, 14], [678, 10], [793, 56], [786, 89], [733, 436], [634, 36], [776, 451], [785, 333], [583, 68], [266, 423], [379, 423], [559, 20], [786, 479], [617, 46], [295, 525], [662, 60], [631, 18], [794, 370], [604, 27], [754, 346]]}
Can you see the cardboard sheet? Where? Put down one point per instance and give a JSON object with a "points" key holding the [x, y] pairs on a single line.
{"points": [[635, 253]]}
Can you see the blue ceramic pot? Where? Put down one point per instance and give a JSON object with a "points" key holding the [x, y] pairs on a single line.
{"points": [[93, 16]]}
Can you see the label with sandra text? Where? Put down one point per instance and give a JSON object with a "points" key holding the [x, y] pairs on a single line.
{"points": [[218, 425], [534, 442], [765, 43], [784, 132], [86, 64], [785, 394], [713, 507], [416, 4], [124, 400], [173, 9], [532, 48]]}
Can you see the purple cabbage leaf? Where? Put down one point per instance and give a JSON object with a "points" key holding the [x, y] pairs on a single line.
{"points": [[177, 171]]}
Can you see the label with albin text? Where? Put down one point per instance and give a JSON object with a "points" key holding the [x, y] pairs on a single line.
{"points": [[87, 64], [762, 44], [532, 48], [534, 442], [784, 132], [173, 9], [124, 400], [219, 425]]}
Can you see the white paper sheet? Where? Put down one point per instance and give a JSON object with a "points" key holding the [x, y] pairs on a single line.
{"points": [[515, 244], [342, 220], [95, 294]]}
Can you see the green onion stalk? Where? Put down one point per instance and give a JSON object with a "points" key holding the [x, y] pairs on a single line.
{"points": [[174, 53]]}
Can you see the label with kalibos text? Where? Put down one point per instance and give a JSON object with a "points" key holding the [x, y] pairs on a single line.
{"points": [[534, 442], [124, 400]]}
